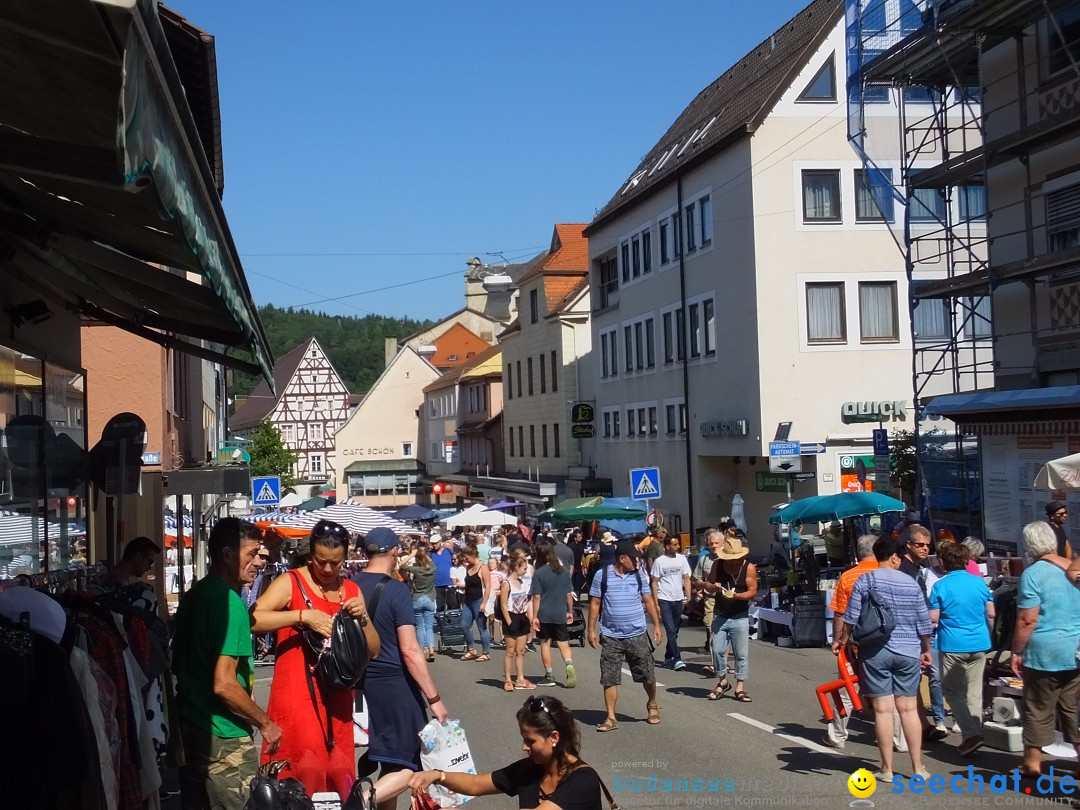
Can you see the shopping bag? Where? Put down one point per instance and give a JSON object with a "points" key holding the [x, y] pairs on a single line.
{"points": [[444, 748]]}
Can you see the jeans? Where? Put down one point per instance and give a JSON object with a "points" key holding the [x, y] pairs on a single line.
{"points": [[671, 615], [424, 611], [737, 631], [470, 613], [937, 700]]}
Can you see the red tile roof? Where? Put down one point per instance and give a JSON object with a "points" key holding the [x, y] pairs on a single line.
{"points": [[569, 249], [457, 342]]}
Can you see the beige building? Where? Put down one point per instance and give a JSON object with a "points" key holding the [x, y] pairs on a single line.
{"points": [[746, 287]]}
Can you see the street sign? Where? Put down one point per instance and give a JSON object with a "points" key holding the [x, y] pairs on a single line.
{"points": [[582, 431], [582, 413], [784, 457], [266, 491], [882, 472], [767, 482], [881, 442], [811, 448], [803, 476], [645, 483]]}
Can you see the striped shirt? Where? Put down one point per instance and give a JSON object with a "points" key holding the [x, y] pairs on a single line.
{"points": [[622, 615], [908, 604]]}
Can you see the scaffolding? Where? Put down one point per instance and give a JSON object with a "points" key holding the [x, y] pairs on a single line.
{"points": [[916, 67]]}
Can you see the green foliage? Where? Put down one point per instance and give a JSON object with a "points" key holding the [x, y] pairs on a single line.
{"points": [[355, 345], [905, 464], [270, 456]]}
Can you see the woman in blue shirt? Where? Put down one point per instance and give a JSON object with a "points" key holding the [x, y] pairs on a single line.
{"points": [[963, 609]]}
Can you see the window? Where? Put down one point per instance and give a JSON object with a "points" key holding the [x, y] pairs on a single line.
{"points": [[543, 441], [543, 375], [509, 382], [532, 441], [555, 439], [534, 306], [625, 262], [635, 247], [873, 195], [695, 331], [554, 372], [511, 442], [643, 427], [680, 334], [676, 235], [823, 86], [821, 195], [406, 449], [1063, 218], [631, 422], [652, 420], [825, 317], [669, 345], [639, 346], [977, 314], [926, 204], [613, 348], [607, 424], [921, 94], [436, 452], [521, 441], [315, 463], [931, 320], [519, 378], [878, 322], [615, 423], [646, 251], [682, 418], [708, 314], [672, 424], [628, 348], [650, 343], [665, 247], [1063, 50], [705, 206], [910, 17], [288, 434], [971, 199], [872, 17], [691, 231], [609, 281], [872, 94], [528, 362], [605, 368]]}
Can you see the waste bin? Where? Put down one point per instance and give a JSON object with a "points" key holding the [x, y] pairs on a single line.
{"points": [[808, 620]]}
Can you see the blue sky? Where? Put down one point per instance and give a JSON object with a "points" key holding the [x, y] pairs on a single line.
{"points": [[370, 144]]}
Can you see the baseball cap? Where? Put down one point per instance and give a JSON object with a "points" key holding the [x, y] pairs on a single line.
{"points": [[627, 548], [436, 538], [381, 540], [1054, 506]]}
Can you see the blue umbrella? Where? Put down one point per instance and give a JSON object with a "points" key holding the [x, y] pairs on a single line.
{"points": [[837, 507], [414, 511], [503, 505]]}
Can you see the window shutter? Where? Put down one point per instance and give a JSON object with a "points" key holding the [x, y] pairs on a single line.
{"points": [[1063, 209]]}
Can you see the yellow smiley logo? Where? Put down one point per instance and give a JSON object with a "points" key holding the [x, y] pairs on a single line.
{"points": [[862, 784]]}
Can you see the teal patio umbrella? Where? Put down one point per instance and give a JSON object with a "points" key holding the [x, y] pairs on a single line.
{"points": [[837, 507]]}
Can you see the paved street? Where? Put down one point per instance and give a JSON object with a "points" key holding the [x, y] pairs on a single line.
{"points": [[768, 751]]}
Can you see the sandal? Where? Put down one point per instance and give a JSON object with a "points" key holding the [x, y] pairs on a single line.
{"points": [[720, 690], [607, 725], [525, 685], [484, 657], [709, 669], [508, 686], [742, 697], [469, 656], [654, 713]]}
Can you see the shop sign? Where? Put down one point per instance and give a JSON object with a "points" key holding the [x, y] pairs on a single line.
{"points": [[582, 431], [728, 427], [857, 474], [583, 414], [887, 410], [770, 482], [117, 458], [367, 451]]}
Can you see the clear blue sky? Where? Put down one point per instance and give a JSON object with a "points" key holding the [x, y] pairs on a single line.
{"points": [[442, 129]]}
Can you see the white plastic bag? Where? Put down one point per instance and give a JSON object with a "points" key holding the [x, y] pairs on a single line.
{"points": [[360, 722], [444, 747]]}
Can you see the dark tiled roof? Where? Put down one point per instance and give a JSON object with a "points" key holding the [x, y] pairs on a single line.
{"points": [[261, 401], [732, 106]]}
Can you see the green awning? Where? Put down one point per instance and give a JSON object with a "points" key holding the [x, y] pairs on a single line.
{"points": [[398, 465]]}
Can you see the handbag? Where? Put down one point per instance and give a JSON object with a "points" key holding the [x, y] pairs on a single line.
{"points": [[876, 620]]}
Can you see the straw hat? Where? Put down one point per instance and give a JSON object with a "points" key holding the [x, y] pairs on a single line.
{"points": [[607, 537], [733, 549]]}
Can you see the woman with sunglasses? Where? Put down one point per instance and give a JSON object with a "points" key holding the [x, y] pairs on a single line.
{"points": [[307, 599], [551, 776]]}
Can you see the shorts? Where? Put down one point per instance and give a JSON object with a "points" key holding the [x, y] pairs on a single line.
{"points": [[518, 627], [1048, 696], [637, 652], [553, 631], [886, 674], [218, 769]]}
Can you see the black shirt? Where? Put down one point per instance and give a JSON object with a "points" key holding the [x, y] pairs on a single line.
{"points": [[577, 790], [1062, 539]]}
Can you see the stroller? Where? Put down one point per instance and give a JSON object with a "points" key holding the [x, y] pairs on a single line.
{"points": [[576, 629]]}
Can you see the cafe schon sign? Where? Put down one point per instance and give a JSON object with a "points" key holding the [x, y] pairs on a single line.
{"points": [[886, 410]]}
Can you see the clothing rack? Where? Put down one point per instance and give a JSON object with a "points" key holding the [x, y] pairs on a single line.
{"points": [[68, 579]]}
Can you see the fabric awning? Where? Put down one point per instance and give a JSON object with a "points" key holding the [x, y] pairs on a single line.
{"points": [[106, 195], [981, 403], [398, 465]]}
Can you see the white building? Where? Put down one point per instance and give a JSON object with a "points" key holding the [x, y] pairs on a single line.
{"points": [[745, 277]]}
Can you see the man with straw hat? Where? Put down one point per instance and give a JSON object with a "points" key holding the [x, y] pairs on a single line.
{"points": [[733, 580]]}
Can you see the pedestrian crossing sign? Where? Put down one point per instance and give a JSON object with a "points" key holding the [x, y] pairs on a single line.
{"points": [[266, 491], [645, 483]]}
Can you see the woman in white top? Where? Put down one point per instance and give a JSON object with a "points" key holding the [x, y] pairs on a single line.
{"points": [[457, 577], [515, 610]]}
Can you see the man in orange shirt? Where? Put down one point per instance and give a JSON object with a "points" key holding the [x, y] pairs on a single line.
{"points": [[836, 734]]}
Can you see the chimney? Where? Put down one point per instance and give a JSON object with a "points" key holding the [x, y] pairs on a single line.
{"points": [[390, 349]]}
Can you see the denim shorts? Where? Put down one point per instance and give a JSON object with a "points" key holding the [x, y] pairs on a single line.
{"points": [[885, 673]]}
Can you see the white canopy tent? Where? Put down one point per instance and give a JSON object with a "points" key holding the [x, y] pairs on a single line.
{"points": [[477, 515], [1061, 473]]}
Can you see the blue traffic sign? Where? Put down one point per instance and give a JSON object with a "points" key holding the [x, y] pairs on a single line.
{"points": [[783, 448], [881, 442], [811, 448], [266, 491], [645, 483]]}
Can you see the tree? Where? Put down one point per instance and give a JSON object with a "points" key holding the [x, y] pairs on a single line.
{"points": [[905, 464], [270, 456]]}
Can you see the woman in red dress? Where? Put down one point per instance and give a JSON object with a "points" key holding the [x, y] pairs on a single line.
{"points": [[320, 757]]}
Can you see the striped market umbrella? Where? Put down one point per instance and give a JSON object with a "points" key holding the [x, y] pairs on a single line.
{"points": [[358, 519]]}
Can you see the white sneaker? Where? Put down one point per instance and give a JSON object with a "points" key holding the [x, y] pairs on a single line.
{"points": [[955, 727], [678, 666], [883, 776]]}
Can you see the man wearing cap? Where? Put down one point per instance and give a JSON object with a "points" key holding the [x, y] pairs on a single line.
{"points": [[443, 557], [397, 685], [733, 581], [620, 596], [1057, 515], [714, 539]]}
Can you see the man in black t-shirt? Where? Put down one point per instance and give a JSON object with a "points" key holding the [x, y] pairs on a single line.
{"points": [[1057, 515]]}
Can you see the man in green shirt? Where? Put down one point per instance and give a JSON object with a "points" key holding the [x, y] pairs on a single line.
{"points": [[212, 659]]}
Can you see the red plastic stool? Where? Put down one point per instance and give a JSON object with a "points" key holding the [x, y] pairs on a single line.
{"points": [[832, 689]]}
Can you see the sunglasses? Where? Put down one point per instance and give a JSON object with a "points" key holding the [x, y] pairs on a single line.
{"points": [[919, 545], [537, 704], [327, 528]]}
